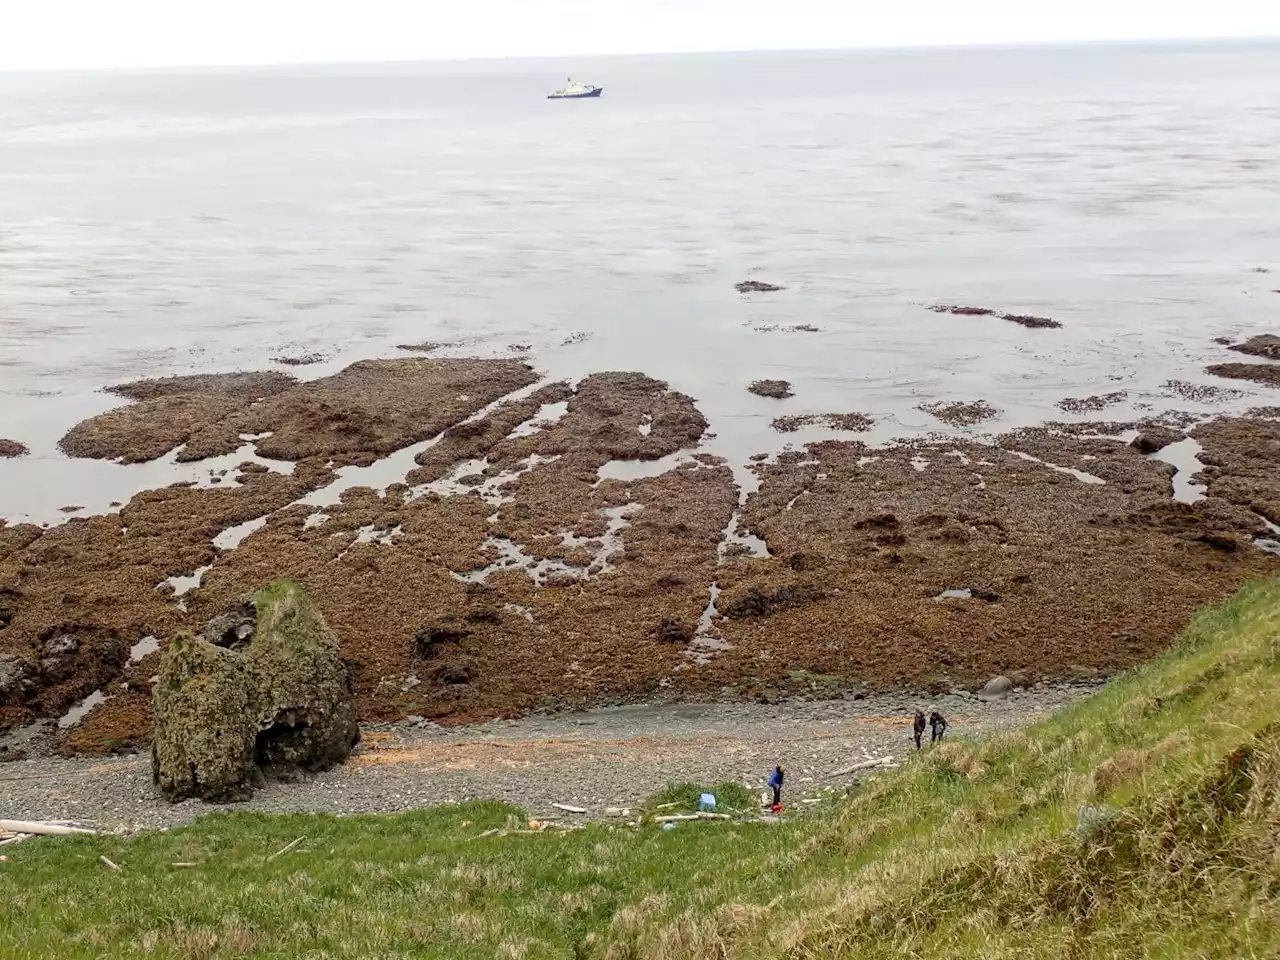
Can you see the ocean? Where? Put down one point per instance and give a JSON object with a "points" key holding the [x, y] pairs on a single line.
{"points": [[155, 222]]}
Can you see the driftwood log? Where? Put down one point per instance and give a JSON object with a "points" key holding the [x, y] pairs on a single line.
{"points": [[41, 829]]}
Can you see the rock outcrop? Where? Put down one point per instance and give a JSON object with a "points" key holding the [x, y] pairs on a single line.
{"points": [[275, 703]]}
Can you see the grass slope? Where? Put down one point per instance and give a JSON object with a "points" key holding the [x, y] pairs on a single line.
{"points": [[1143, 822]]}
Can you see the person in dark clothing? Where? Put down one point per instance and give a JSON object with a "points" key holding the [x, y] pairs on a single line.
{"points": [[937, 726], [775, 782], [917, 728]]}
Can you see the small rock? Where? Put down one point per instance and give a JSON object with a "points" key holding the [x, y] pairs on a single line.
{"points": [[1155, 439], [61, 645], [756, 286]]}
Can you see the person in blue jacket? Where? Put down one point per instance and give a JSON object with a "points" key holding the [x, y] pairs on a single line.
{"points": [[775, 782]]}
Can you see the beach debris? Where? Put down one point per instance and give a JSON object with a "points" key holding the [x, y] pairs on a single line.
{"points": [[569, 808], [961, 413], [863, 765], [110, 864], [681, 817], [1092, 404], [707, 803], [40, 828], [225, 720], [285, 849], [857, 422]]}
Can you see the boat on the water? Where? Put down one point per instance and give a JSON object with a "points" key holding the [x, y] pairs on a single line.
{"points": [[576, 91]]}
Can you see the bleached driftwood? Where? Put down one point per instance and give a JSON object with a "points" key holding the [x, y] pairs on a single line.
{"points": [[108, 863], [42, 829], [285, 849], [864, 765], [567, 808], [672, 818]]}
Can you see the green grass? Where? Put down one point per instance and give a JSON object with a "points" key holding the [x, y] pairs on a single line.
{"points": [[731, 798], [1142, 822]]}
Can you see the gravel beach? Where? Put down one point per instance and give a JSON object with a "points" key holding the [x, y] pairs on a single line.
{"points": [[613, 757]]}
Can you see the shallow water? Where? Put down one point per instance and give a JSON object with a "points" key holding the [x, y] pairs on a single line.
{"points": [[155, 223]]}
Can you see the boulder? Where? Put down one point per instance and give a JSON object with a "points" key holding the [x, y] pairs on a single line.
{"points": [[15, 678], [1154, 439], [997, 688], [305, 708], [204, 727], [277, 704]]}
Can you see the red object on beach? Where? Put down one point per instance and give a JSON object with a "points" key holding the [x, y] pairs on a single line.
{"points": [[776, 808]]}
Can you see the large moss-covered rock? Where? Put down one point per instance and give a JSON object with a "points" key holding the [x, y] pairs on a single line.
{"points": [[305, 710], [204, 723], [275, 705]]}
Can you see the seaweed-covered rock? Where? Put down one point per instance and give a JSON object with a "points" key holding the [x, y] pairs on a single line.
{"points": [[777, 389], [204, 726], [226, 718], [305, 709]]}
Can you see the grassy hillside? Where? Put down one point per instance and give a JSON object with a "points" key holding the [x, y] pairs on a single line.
{"points": [[1143, 822]]}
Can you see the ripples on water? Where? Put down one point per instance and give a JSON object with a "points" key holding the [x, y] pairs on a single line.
{"points": [[153, 223]]}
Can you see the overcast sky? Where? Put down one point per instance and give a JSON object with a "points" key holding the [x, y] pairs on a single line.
{"points": [[39, 34]]}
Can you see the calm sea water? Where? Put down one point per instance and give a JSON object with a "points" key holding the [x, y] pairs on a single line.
{"points": [[155, 223]]}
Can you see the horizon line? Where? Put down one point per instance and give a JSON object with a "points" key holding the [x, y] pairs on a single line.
{"points": [[761, 51]]}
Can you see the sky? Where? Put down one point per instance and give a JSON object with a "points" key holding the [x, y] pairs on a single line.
{"points": [[71, 34]]}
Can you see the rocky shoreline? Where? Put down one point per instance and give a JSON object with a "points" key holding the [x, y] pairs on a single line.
{"points": [[603, 760], [485, 542]]}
